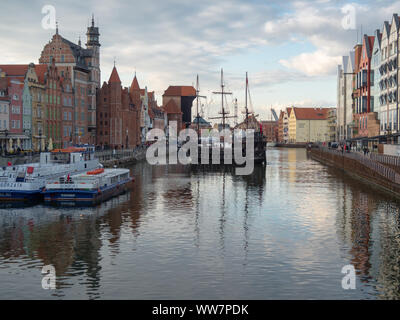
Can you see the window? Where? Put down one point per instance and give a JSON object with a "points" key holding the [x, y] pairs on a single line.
{"points": [[15, 124], [15, 97], [62, 60], [16, 109]]}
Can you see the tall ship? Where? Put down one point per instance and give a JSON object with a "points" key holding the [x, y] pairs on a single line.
{"points": [[210, 143], [26, 182]]}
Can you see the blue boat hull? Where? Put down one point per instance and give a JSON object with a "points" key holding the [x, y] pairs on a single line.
{"points": [[84, 197], [16, 195]]}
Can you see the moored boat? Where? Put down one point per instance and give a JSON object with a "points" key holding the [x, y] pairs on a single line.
{"points": [[88, 188], [25, 182]]}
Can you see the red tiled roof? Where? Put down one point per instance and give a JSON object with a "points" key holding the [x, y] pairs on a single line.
{"points": [[40, 70], [172, 107], [311, 113], [19, 70], [182, 91], [135, 84], [114, 76], [14, 69]]}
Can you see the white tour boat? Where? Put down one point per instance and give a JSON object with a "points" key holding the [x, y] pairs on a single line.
{"points": [[88, 188], [25, 182]]}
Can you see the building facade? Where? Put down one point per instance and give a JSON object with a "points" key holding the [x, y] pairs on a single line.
{"points": [[270, 130], [309, 125], [389, 78], [118, 117], [344, 98], [27, 116], [183, 96], [83, 68], [375, 85], [366, 121], [332, 124]]}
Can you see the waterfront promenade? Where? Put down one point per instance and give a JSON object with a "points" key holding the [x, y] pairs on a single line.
{"points": [[382, 171], [108, 158]]}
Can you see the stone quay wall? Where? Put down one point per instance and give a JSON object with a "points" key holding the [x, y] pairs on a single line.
{"points": [[365, 168]]}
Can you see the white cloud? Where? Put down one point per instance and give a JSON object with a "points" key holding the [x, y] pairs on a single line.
{"points": [[169, 42], [316, 63]]}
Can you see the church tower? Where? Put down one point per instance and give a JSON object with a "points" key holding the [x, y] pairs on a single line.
{"points": [[93, 63], [93, 44]]}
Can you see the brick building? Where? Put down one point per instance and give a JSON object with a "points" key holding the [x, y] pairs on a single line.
{"points": [[366, 121], [173, 113], [82, 65], [183, 97], [118, 116], [270, 130], [280, 126]]}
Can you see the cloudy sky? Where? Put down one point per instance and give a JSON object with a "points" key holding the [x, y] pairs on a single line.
{"points": [[290, 48]]}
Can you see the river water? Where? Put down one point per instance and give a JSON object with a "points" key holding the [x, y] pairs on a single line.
{"points": [[284, 232]]}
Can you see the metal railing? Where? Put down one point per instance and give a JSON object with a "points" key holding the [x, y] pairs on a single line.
{"points": [[369, 162], [386, 159], [106, 155]]}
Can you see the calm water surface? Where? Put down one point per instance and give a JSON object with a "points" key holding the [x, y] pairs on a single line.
{"points": [[283, 233]]}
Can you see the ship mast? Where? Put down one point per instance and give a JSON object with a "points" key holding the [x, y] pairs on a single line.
{"points": [[223, 93], [248, 111], [246, 108]]}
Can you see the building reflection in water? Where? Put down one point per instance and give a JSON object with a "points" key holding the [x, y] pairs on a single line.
{"points": [[217, 221], [368, 225], [235, 196], [68, 239]]}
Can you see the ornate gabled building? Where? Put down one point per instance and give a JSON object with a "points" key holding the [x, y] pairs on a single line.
{"points": [[366, 121], [376, 76], [118, 117], [389, 78], [83, 68]]}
